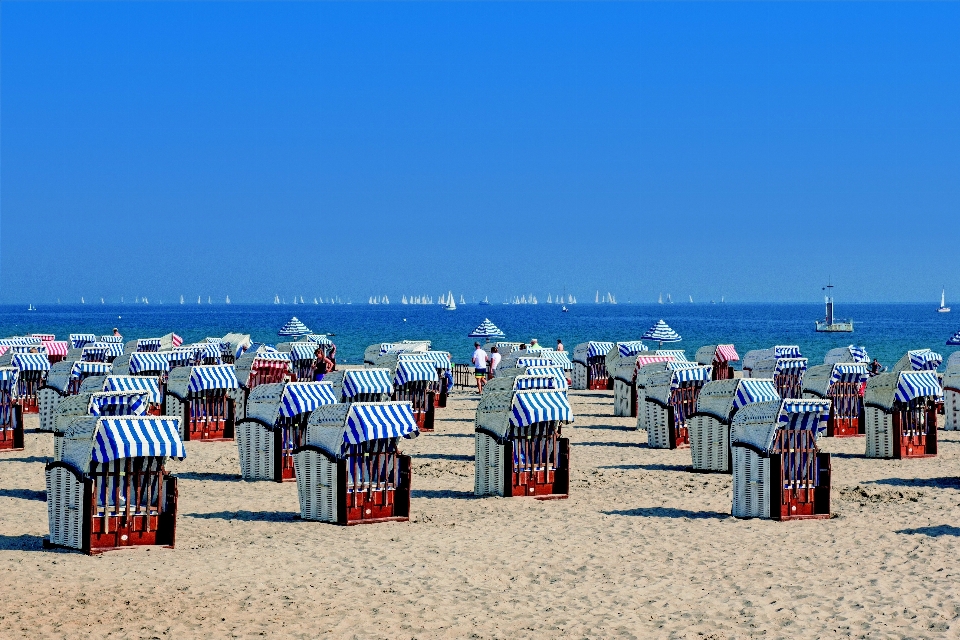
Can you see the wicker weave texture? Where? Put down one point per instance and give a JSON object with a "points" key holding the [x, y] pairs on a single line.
{"points": [[255, 445], [709, 444], [316, 486], [488, 466], [751, 484], [658, 425], [951, 408], [65, 508], [879, 427], [579, 378]]}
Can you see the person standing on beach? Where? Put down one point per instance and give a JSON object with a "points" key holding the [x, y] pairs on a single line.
{"points": [[559, 345], [321, 364], [116, 332], [480, 366], [494, 361], [534, 345]]}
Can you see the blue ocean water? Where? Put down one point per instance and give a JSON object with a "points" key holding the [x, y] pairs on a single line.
{"points": [[887, 330]]}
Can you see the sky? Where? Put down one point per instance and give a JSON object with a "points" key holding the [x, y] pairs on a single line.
{"points": [[747, 150]]}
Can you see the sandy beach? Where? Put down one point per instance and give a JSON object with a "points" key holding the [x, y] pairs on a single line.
{"points": [[642, 548]]}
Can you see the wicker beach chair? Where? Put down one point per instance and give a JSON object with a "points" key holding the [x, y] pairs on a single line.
{"points": [[32, 370], [841, 384], [415, 381], [787, 374], [900, 414], [590, 367], [363, 385], [79, 340], [256, 367], [94, 403], [718, 356], [951, 395], [624, 374], [201, 397], [645, 372], [670, 398], [301, 359], [11, 413], [111, 488], [275, 425], [150, 385], [843, 355], [352, 471], [778, 469], [918, 360], [717, 405], [519, 448], [523, 380], [753, 357], [57, 350]]}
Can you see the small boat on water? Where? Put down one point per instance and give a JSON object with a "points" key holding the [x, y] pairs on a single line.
{"points": [[564, 309], [943, 302], [484, 302], [451, 303], [830, 324], [31, 308]]}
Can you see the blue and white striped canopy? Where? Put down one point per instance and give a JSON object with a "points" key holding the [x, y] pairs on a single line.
{"points": [[149, 361], [678, 355], [752, 390], [689, 374], [111, 338], [357, 381], [441, 359], [8, 374], [20, 340], [792, 365], [148, 343], [486, 329], [302, 397], [302, 350], [118, 438], [632, 348], [149, 384], [213, 376], [30, 362], [84, 368], [530, 407], [28, 348], [373, 421], [319, 339], [810, 415], [924, 360], [410, 370], [595, 349], [661, 332], [78, 340], [559, 358], [859, 354], [94, 351], [787, 351], [529, 381], [848, 372], [131, 403], [954, 340], [917, 384], [272, 355], [556, 372], [533, 361], [293, 328]]}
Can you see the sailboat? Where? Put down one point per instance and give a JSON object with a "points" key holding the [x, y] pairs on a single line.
{"points": [[669, 299], [451, 303], [228, 300], [276, 299], [943, 300], [101, 301], [691, 299], [208, 300], [660, 299], [31, 308], [485, 301], [462, 300], [315, 301], [181, 299], [82, 301]]}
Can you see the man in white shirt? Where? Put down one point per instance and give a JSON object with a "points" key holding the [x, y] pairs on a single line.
{"points": [[480, 366], [494, 361]]}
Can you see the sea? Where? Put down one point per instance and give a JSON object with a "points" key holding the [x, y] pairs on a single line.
{"points": [[886, 330]]}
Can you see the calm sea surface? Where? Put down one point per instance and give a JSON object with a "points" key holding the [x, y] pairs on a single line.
{"points": [[887, 330]]}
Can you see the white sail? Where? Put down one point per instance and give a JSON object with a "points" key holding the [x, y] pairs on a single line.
{"points": [[208, 300], [228, 300], [691, 299], [669, 299], [181, 299], [276, 299], [461, 299], [101, 301]]}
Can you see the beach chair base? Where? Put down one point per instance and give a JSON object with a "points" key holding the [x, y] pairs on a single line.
{"points": [[951, 409], [496, 474], [624, 399], [662, 429], [11, 435], [759, 492], [886, 437], [845, 427], [709, 444]]}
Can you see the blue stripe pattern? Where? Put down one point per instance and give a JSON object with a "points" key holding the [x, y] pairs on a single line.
{"points": [[535, 382], [924, 360], [318, 339], [530, 407], [806, 415], [559, 358], [689, 374], [791, 364], [131, 403], [357, 381], [148, 343], [598, 348], [632, 348], [149, 361], [917, 384], [118, 438], [8, 374], [374, 421], [859, 354], [273, 355], [82, 367], [678, 354], [754, 390], [78, 340], [556, 372], [303, 397], [848, 372], [533, 361], [30, 362], [661, 332], [787, 351], [111, 338], [95, 351], [302, 350], [149, 384], [213, 376], [486, 329], [410, 370], [441, 359], [293, 328]]}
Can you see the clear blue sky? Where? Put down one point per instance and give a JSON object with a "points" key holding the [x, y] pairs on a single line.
{"points": [[747, 150]]}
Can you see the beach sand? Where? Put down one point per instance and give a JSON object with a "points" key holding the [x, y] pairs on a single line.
{"points": [[642, 548]]}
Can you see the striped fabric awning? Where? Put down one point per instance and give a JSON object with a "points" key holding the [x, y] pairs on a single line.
{"points": [[954, 340], [787, 351], [303, 397], [530, 407], [93, 351], [114, 349], [175, 340], [57, 347], [302, 350], [30, 362], [645, 360], [78, 340], [678, 354], [27, 348], [132, 403], [556, 372], [111, 338], [859, 354], [414, 370], [441, 359], [688, 373], [809, 415], [148, 343], [83, 368], [8, 377], [917, 384], [17, 340], [486, 329], [272, 356], [598, 349], [318, 339], [44, 337], [148, 384], [213, 376], [374, 421], [208, 350], [849, 372], [792, 365], [924, 360], [752, 390], [559, 358], [149, 361], [118, 438], [357, 381], [529, 381], [726, 353], [631, 348], [533, 361]]}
